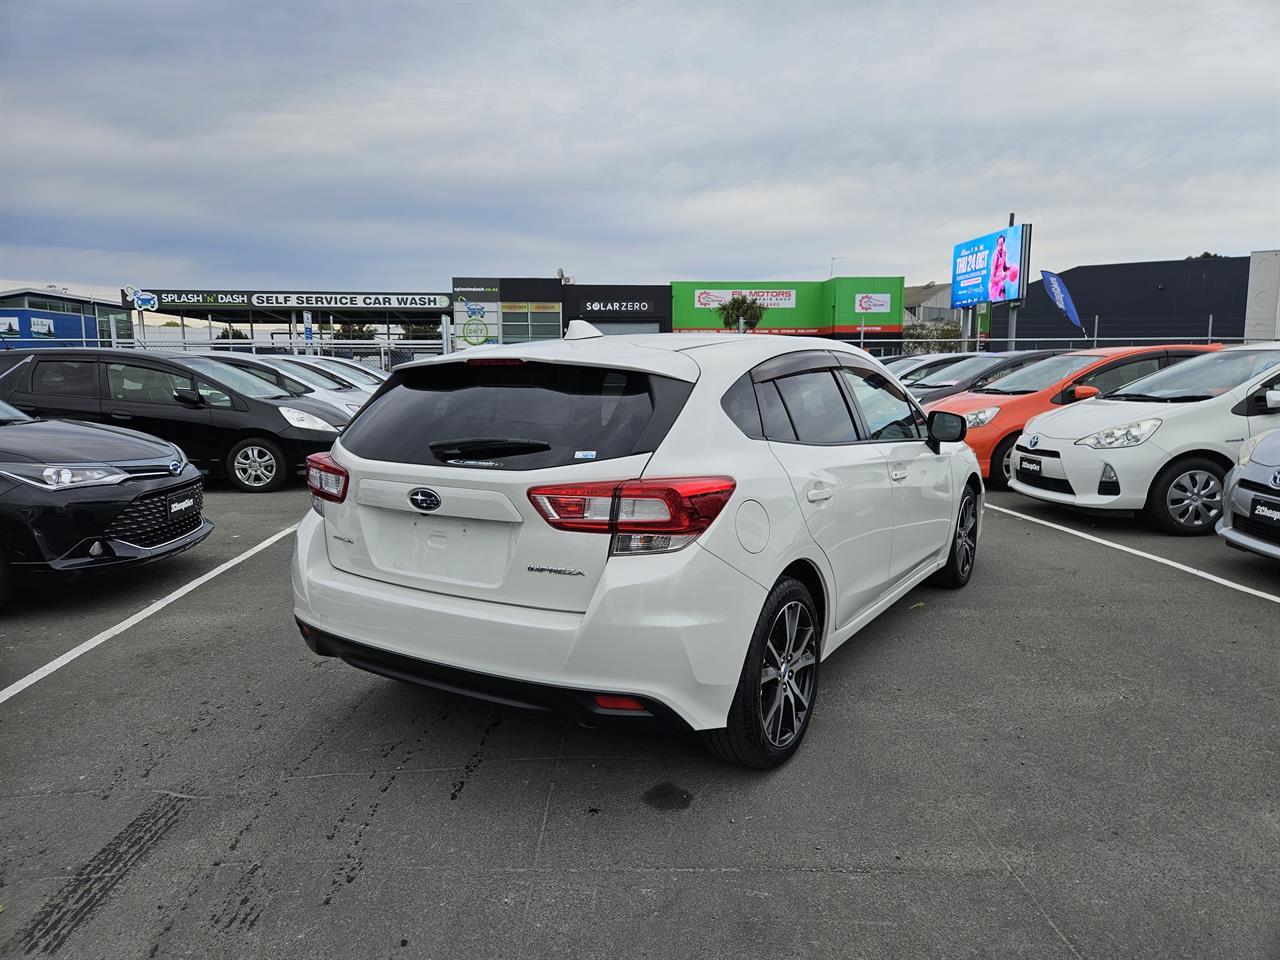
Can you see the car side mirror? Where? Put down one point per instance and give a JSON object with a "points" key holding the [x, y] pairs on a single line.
{"points": [[1272, 400], [1082, 392], [945, 427], [188, 398]]}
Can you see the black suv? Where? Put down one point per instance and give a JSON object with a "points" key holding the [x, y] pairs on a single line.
{"points": [[226, 421]]}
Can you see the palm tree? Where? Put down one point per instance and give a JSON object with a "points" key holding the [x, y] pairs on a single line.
{"points": [[740, 313]]}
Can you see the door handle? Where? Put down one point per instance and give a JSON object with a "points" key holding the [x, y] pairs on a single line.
{"points": [[121, 415], [818, 493], [898, 474]]}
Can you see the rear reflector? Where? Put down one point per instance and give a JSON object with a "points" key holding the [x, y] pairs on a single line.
{"points": [[325, 478], [608, 701], [645, 516]]}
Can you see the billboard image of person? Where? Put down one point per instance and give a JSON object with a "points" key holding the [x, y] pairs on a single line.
{"points": [[990, 269]]}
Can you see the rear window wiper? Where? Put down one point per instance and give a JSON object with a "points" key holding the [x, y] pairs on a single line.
{"points": [[510, 445]]}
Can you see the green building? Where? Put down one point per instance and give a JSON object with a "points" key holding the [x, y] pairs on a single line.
{"points": [[847, 307]]}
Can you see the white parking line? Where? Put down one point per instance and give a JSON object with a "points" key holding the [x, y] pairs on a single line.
{"points": [[35, 676], [1204, 575]]}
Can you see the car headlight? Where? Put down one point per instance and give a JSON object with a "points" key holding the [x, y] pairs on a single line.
{"points": [[1128, 435], [1247, 448], [980, 418], [53, 477], [306, 421]]}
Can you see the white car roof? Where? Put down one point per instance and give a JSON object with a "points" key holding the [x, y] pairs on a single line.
{"points": [[1269, 345], [677, 355]]}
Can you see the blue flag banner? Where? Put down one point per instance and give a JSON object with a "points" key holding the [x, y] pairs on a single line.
{"points": [[1057, 291]]}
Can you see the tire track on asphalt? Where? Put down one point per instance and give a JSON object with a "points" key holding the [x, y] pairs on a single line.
{"points": [[78, 899]]}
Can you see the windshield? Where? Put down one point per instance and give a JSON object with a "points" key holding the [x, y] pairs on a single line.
{"points": [[954, 373], [350, 371], [898, 362], [238, 380], [308, 375], [1043, 373], [934, 368], [1201, 377], [10, 414]]}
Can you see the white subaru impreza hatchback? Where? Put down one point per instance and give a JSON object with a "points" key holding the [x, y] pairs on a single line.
{"points": [[667, 529]]}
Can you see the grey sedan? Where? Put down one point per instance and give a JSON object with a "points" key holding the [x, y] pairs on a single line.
{"points": [[1251, 501]]}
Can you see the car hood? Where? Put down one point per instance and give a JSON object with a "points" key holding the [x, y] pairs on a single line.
{"points": [[1089, 416], [1267, 452], [967, 402], [71, 441]]}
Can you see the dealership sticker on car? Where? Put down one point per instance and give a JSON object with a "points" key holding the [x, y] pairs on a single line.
{"points": [[1265, 512], [1030, 466], [181, 505]]}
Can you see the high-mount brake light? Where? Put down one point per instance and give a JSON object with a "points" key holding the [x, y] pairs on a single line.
{"points": [[644, 516]]}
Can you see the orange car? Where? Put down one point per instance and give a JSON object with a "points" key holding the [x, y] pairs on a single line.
{"points": [[996, 413]]}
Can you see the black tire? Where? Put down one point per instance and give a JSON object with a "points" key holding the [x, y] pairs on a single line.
{"points": [[964, 545], [998, 480], [757, 734], [257, 465], [1185, 499]]}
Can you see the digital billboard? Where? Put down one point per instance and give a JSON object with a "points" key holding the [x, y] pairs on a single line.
{"points": [[991, 269]]}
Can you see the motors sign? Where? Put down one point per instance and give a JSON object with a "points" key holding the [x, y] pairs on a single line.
{"points": [[769, 299], [166, 300]]}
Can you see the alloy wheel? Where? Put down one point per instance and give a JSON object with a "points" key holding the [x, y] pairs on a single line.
{"points": [[1006, 464], [1194, 499], [967, 535], [255, 466], [788, 674]]}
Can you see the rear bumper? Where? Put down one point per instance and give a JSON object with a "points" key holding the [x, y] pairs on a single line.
{"points": [[522, 694], [670, 630]]}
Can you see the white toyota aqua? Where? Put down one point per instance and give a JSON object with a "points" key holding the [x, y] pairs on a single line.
{"points": [[1160, 445], [650, 529]]}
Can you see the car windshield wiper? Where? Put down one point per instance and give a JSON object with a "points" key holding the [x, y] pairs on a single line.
{"points": [[1177, 398], [998, 390], [510, 445]]}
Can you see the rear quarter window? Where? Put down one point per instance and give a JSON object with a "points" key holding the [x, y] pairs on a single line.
{"points": [[523, 416]]}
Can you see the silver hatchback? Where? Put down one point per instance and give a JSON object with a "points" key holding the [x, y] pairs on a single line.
{"points": [[1251, 501]]}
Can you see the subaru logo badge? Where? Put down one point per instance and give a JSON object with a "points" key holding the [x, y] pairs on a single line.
{"points": [[424, 499], [1034, 442], [175, 468], [1275, 479]]}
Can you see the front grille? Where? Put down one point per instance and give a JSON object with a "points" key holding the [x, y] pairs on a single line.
{"points": [[1045, 483], [1108, 488], [1255, 528], [1050, 454], [145, 522], [1246, 484]]}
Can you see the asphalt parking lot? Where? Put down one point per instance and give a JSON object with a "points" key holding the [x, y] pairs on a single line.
{"points": [[1074, 757]]}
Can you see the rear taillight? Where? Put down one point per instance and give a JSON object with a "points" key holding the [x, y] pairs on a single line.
{"points": [[326, 480], [644, 516]]}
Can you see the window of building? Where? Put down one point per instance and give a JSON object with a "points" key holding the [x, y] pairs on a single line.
{"points": [[49, 305], [522, 322]]}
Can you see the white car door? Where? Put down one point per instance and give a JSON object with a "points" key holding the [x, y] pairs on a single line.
{"points": [[842, 485], [924, 498]]}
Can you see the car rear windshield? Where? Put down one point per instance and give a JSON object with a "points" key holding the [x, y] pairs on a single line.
{"points": [[515, 415], [1201, 377], [1043, 373]]}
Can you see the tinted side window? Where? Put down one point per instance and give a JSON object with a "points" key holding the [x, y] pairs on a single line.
{"points": [[739, 402], [143, 384], [888, 413], [817, 408], [777, 425], [1113, 378], [65, 378]]}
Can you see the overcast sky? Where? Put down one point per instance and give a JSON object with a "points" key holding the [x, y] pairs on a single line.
{"points": [[392, 146]]}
